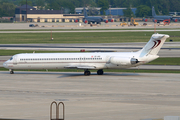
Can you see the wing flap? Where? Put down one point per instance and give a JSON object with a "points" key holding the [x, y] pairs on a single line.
{"points": [[80, 67]]}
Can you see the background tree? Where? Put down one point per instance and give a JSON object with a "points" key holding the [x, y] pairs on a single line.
{"points": [[128, 12], [7, 9], [92, 11], [104, 5], [64, 5], [143, 11], [162, 7], [41, 4], [23, 2]]}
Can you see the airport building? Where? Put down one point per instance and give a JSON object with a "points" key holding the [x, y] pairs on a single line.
{"points": [[80, 10], [118, 11], [34, 15], [110, 11]]}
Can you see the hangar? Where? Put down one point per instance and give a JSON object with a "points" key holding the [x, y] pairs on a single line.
{"points": [[110, 11], [34, 15]]}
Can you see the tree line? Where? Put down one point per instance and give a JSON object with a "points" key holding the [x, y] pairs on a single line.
{"points": [[162, 7]]}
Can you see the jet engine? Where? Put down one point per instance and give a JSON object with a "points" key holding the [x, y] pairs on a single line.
{"points": [[106, 21], [145, 19], [154, 20], [123, 61], [76, 20], [175, 19], [85, 21], [110, 20]]}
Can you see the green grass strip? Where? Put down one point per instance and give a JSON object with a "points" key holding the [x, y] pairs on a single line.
{"points": [[87, 37], [13, 52], [166, 61]]}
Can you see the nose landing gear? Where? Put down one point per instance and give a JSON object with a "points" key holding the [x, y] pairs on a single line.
{"points": [[87, 72], [11, 71]]}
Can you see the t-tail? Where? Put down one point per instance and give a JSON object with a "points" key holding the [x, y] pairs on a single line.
{"points": [[85, 12], [150, 50], [153, 11]]}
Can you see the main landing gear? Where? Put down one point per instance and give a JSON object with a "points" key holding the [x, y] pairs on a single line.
{"points": [[87, 72], [11, 71], [100, 72]]}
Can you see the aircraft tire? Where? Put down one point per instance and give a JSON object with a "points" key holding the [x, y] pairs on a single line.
{"points": [[11, 72], [87, 73], [100, 72]]}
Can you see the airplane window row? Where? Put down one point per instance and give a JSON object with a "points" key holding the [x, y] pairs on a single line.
{"points": [[60, 59]]}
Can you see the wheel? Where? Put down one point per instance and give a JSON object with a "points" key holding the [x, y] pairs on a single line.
{"points": [[100, 72], [11, 72], [87, 72]]}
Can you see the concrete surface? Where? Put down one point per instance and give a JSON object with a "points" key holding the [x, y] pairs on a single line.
{"points": [[86, 31], [114, 25], [116, 96]]}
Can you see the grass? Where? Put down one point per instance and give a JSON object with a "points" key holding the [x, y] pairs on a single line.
{"points": [[166, 61], [13, 52], [87, 37]]}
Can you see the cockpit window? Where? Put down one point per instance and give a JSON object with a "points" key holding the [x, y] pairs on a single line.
{"points": [[11, 58]]}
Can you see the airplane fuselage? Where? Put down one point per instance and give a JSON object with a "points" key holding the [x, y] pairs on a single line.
{"points": [[161, 18], [68, 60], [94, 19]]}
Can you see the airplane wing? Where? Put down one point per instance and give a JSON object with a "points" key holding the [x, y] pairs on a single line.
{"points": [[80, 67]]}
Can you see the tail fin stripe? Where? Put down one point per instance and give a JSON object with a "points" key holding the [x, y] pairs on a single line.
{"points": [[156, 43], [159, 42]]}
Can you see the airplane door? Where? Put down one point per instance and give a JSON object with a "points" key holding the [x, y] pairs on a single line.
{"points": [[14, 60], [108, 61]]}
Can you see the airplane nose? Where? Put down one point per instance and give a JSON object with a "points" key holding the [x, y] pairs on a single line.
{"points": [[4, 65]]}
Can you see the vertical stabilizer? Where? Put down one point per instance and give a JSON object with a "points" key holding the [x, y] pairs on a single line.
{"points": [[154, 45], [85, 12], [153, 11]]}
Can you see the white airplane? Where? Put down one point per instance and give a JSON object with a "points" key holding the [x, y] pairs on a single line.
{"points": [[88, 61]]}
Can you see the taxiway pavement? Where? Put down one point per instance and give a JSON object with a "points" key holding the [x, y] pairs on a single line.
{"points": [[113, 25], [117, 96]]}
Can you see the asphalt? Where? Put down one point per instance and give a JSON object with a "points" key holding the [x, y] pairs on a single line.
{"points": [[117, 96], [50, 26]]}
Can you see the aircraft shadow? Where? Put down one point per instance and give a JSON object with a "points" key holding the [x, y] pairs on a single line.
{"points": [[64, 75], [71, 74]]}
